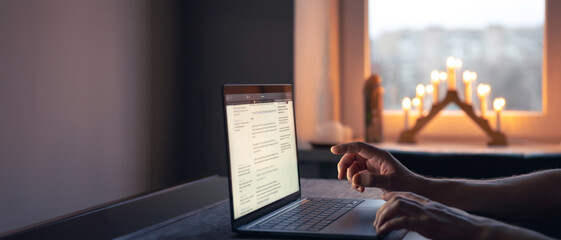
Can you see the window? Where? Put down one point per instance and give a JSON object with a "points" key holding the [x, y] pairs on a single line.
{"points": [[501, 40]]}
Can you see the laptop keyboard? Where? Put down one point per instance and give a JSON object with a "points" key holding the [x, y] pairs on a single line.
{"points": [[312, 215]]}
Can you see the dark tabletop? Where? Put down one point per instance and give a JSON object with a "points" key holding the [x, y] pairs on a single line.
{"points": [[213, 221]]}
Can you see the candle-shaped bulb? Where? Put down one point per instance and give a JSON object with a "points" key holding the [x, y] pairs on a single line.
{"points": [[466, 76], [421, 98], [443, 76], [499, 104], [416, 102], [483, 89], [420, 91], [451, 67], [450, 62], [458, 63], [435, 79], [429, 89], [435, 76], [473, 76], [406, 103]]}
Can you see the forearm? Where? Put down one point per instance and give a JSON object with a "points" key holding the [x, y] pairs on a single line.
{"points": [[469, 195], [499, 230], [527, 196]]}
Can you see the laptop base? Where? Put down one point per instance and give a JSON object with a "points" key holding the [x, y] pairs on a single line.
{"points": [[355, 224]]}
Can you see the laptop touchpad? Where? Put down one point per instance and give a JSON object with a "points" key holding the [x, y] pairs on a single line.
{"points": [[358, 221]]}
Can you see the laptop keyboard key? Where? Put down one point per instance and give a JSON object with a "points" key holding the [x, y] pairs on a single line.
{"points": [[338, 213], [304, 227], [313, 215]]}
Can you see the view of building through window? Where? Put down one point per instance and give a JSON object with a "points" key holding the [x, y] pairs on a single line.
{"points": [[501, 40]]}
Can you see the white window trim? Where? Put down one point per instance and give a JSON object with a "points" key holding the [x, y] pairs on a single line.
{"points": [[542, 126]]}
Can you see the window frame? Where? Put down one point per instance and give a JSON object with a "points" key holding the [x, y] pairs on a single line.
{"points": [[526, 125]]}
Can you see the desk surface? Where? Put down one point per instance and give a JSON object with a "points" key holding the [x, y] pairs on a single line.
{"points": [[213, 221]]}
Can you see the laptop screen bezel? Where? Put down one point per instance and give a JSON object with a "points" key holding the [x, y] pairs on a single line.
{"points": [[252, 89]]}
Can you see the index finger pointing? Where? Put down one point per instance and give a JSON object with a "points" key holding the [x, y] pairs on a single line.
{"points": [[360, 148]]}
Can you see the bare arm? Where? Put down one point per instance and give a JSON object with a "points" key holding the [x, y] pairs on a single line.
{"points": [[529, 196]]}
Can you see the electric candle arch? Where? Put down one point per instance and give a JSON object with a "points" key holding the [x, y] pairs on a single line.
{"points": [[483, 90]]}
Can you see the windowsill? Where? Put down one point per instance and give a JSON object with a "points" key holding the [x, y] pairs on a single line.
{"points": [[465, 146], [474, 147], [393, 112]]}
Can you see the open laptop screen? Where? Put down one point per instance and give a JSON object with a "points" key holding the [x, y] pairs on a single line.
{"points": [[262, 145]]}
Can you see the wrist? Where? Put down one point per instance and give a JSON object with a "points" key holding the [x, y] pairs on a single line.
{"points": [[492, 229], [485, 230], [420, 184]]}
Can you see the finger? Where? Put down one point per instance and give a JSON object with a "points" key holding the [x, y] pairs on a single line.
{"points": [[351, 171], [346, 161], [381, 210], [360, 148], [396, 207], [395, 224], [367, 179], [360, 188], [389, 195]]}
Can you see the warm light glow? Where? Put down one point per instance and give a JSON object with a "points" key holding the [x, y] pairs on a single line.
{"points": [[458, 63], [483, 89], [420, 90], [406, 103], [466, 76], [450, 62], [499, 104], [429, 89], [416, 102], [473, 76], [443, 76], [434, 76]]}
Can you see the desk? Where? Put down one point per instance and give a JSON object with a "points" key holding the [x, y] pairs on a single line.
{"points": [[213, 221]]}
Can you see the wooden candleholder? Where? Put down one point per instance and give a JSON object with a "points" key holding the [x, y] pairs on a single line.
{"points": [[497, 138]]}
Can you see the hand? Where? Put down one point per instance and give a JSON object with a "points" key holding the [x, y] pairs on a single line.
{"points": [[405, 210], [368, 166]]}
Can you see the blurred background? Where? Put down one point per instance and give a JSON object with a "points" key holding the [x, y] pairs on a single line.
{"points": [[103, 100]]}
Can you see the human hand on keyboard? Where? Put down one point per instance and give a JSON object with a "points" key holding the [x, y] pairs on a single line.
{"points": [[406, 210]]}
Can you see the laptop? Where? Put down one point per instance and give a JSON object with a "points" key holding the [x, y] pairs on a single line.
{"points": [[263, 177]]}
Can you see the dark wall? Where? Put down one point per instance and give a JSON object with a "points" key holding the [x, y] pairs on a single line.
{"points": [[218, 42]]}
